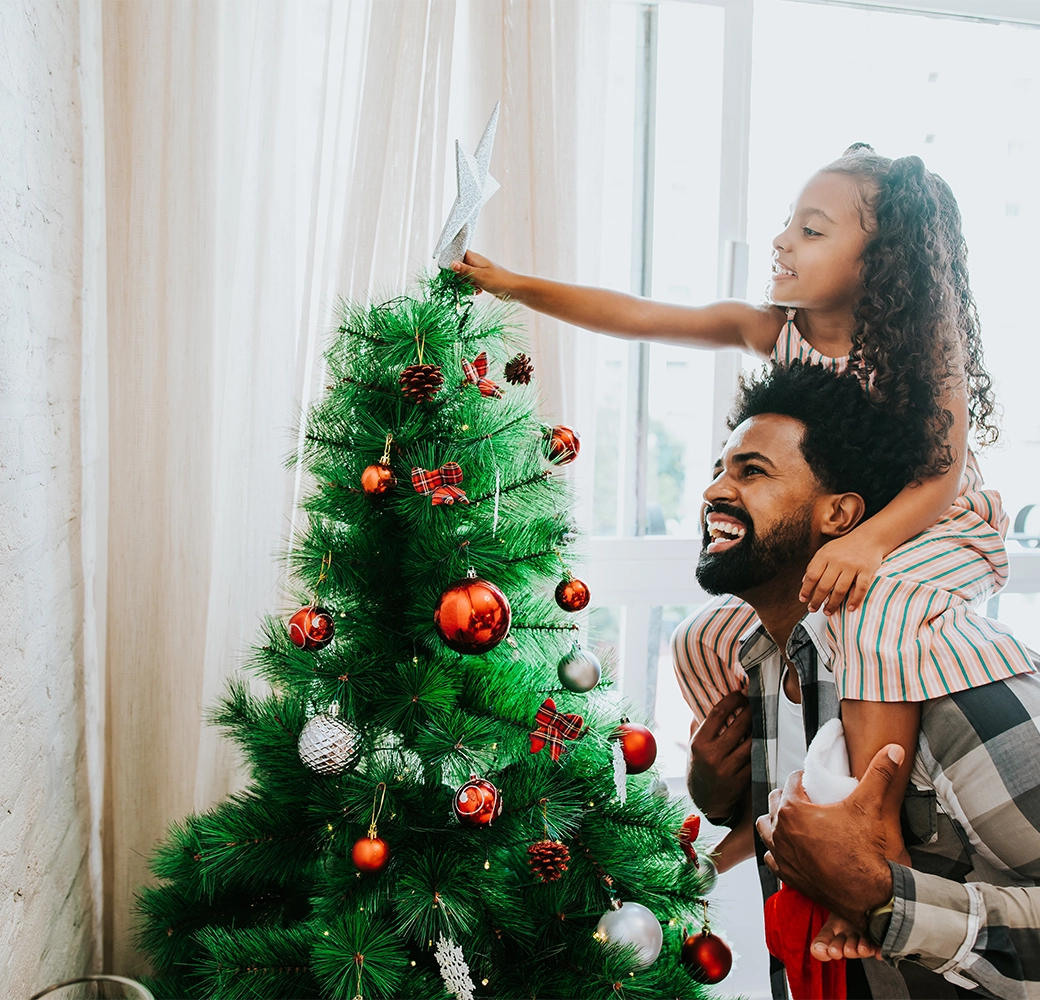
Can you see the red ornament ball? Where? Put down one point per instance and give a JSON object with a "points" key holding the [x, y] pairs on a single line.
{"points": [[370, 853], [377, 479], [572, 594], [472, 616], [311, 628], [638, 746], [563, 445], [477, 802], [706, 957], [688, 833]]}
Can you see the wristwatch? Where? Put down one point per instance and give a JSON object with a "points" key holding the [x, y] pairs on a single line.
{"points": [[878, 920]]}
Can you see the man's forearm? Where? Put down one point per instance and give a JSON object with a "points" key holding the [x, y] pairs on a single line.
{"points": [[983, 933]]}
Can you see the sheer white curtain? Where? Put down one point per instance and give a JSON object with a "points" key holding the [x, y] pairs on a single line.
{"points": [[260, 159]]}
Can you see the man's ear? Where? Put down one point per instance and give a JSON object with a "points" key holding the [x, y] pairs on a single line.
{"points": [[840, 513]]}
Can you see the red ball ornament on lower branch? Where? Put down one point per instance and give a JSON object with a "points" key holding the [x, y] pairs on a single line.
{"points": [[562, 444], [311, 628], [472, 616], [572, 594], [638, 746], [370, 854], [477, 802], [707, 957]]}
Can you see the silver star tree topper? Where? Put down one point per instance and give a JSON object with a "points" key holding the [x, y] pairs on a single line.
{"points": [[475, 186]]}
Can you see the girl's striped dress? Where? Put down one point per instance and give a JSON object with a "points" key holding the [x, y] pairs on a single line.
{"points": [[917, 634]]}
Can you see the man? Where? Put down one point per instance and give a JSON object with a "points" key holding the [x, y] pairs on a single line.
{"points": [[969, 909]]}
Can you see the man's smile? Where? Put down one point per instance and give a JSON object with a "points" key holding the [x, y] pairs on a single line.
{"points": [[722, 532]]}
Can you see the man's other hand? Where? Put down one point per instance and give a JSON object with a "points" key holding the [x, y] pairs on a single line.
{"points": [[834, 854], [720, 759]]}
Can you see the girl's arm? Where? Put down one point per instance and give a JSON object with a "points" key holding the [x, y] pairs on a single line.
{"points": [[729, 323], [739, 844], [870, 725], [846, 565]]}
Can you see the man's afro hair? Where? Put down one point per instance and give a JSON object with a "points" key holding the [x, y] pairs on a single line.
{"points": [[852, 444]]}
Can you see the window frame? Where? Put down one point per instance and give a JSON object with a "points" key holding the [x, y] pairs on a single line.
{"points": [[641, 573]]}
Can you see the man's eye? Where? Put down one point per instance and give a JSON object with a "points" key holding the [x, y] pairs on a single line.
{"points": [[752, 470], [810, 232]]}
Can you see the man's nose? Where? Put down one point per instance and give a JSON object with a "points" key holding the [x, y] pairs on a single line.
{"points": [[720, 488]]}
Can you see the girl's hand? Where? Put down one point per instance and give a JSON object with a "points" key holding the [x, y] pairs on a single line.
{"points": [[839, 939], [841, 566], [485, 275]]}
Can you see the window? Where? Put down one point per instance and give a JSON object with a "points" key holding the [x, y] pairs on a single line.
{"points": [[719, 112]]}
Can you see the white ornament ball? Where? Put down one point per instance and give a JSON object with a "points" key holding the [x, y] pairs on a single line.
{"points": [[579, 670], [632, 923], [327, 744]]}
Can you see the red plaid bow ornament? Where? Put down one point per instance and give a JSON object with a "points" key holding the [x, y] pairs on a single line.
{"points": [[440, 483], [475, 372], [554, 727]]}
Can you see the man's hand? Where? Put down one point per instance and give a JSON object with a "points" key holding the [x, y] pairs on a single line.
{"points": [[841, 566], [834, 854], [720, 758]]}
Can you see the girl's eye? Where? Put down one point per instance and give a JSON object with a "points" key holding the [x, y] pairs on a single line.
{"points": [[810, 232]]}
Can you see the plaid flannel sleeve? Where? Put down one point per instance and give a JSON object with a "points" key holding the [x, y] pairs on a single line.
{"points": [[981, 748], [988, 935]]}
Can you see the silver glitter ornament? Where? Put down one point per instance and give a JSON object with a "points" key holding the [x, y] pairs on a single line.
{"points": [[579, 670], [634, 924], [328, 745]]}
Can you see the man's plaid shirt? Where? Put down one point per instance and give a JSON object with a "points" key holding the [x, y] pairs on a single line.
{"points": [[969, 909]]}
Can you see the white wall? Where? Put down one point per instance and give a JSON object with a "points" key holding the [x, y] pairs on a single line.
{"points": [[49, 713]]}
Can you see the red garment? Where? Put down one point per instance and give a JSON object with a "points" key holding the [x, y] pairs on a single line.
{"points": [[792, 921]]}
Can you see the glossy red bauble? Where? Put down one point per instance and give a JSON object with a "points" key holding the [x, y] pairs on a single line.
{"points": [[707, 958], [688, 834], [572, 594], [370, 853], [477, 803], [311, 628], [638, 746], [472, 616], [377, 479], [562, 445]]}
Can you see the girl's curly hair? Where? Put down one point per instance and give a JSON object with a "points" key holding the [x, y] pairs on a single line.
{"points": [[917, 327]]}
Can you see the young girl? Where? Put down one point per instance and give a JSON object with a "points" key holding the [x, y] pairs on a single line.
{"points": [[868, 274]]}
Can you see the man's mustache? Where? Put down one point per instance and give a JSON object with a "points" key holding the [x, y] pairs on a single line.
{"points": [[729, 510]]}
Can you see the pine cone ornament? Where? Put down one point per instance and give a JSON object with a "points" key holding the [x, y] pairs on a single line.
{"points": [[420, 383], [519, 370], [548, 859]]}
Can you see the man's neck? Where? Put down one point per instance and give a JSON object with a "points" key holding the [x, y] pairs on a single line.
{"points": [[777, 606]]}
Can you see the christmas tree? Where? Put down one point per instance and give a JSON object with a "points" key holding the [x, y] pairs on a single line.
{"points": [[438, 804]]}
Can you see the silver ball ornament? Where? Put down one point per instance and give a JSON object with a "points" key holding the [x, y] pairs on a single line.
{"points": [[328, 745], [634, 924], [579, 670]]}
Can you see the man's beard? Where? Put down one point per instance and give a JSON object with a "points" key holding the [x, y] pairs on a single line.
{"points": [[754, 561]]}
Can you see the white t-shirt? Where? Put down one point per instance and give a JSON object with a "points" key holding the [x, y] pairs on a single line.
{"points": [[790, 737]]}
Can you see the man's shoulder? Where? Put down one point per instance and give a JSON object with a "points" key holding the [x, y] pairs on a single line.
{"points": [[1002, 716]]}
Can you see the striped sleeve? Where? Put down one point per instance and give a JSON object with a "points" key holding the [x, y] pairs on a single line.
{"points": [[705, 652]]}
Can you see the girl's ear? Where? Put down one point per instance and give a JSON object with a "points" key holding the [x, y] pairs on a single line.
{"points": [[841, 513]]}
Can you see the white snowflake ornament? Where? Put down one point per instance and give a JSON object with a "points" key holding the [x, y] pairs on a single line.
{"points": [[454, 970]]}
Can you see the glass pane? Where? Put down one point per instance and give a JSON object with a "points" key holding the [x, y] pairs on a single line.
{"points": [[961, 95], [613, 254], [685, 258]]}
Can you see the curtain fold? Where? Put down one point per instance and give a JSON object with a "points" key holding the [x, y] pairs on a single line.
{"points": [[260, 160]]}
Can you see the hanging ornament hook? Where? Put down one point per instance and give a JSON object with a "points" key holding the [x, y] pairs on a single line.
{"points": [[385, 460], [377, 811]]}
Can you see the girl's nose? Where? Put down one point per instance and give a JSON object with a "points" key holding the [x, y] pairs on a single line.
{"points": [[780, 241]]}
